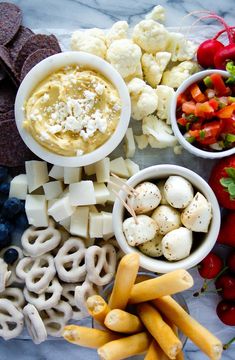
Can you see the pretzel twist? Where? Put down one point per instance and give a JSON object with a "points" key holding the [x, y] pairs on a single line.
{"points": [[13, 279], [15, 295], [4, 275], [56, 318], [82, 293], [34, 324], [68, 294], [11, 320]]}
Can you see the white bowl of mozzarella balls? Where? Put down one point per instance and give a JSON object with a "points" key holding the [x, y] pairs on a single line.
{"points": [[175, 218]]}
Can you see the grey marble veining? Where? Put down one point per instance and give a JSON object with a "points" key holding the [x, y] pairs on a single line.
{"points": [[72, 14]]}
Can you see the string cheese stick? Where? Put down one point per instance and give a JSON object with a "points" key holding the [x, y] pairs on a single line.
{"points": [[122, 321], [91, 338], [155, 352], [124, 281], [97, 308], [206, 341], [167, 284], [125, 347], [159, 329]]}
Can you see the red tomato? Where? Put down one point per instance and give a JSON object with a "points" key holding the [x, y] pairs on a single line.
{"points": [[228, 125], [219, 84]]}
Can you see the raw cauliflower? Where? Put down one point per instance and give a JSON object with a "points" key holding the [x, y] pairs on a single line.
{"points": [[125, 56], [157, 14], [180, 48], [144, 100], [96, 32], [150, 36], [160, 134], [83, 41], [142, 141], [118, 31], [154, 66], [175, 76], [165, 94]]}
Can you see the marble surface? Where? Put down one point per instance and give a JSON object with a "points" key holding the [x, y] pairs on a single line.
{"points": [[73, 14]]}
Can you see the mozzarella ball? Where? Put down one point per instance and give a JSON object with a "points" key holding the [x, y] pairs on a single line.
{"points": [[167, 218], [137, 233], [178, 191], [197, 215], [160, 185], [146, 198], [176, 244], [152, 247]]}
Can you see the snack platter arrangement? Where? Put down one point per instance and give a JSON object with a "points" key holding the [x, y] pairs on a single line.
{"points": [[117, 186]]}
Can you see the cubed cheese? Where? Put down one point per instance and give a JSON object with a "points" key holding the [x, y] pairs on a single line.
{"points": [[118, 167], [72, 175], [101, 193], [66, 223], [142, 141], [107, 225], [112, 187], [37, 174], [50, 203], [129, 143], [79, 221], [93, 208], [57, 172], [102, 170], [82, 193], [61, 209], [89, 169], [53, 189], [36, 210], [19, 187], [96, 225], [133, 168]]}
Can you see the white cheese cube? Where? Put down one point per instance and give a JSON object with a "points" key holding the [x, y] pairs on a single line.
{"points": [[57, 172], [72, 175], [112, 187], [102, 170], [36, 210], [82, 193], [19, 187], [79, 221], [129, 143], [53, 189], [65, 192], [118, 167], [61, 209], [89, 169], [51, 202], [37, 174], [93, 208], [107, 224], [96, 225], [66, 223], [133, 168], [101, 193]]}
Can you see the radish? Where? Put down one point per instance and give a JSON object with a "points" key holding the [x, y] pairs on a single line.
{"points": [[206, 52], [224, 55]]}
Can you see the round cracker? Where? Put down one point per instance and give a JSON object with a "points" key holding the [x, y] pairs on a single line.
{"points": [[34, 59], [10, 21], [16, 44], [7, 95], [7, 64]]}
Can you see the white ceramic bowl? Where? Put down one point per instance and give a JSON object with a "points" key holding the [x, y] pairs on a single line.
{"points": [[198, 253], [190, 147], [48, 66]]}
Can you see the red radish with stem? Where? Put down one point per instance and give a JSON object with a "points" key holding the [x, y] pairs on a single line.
{"points": [[206, 52]]}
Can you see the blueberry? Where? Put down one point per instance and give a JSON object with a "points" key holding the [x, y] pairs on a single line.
{"points": [[11, 207], [21, 221], [3, 173], [8, 224], [5, 188], [4, 236], [10, 256]]}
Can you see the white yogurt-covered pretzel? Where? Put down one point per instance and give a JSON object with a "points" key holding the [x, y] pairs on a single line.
{"points": [[15, 295], [99, 261], [37, 241], [70, 261], [56, 318], [34, 324], [49, 298], [114, 243], [13, 279], [37, 272], [82, 293], [68, 294], [4, 275], [11, 320]]}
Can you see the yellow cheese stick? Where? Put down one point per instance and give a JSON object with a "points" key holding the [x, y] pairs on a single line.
{"points": [[124, 281], [97, 308], [167, 284], [91, 338], [122, 321], [180, 355], [155, 352], [158, 328], [125, 347], [206, 341]]}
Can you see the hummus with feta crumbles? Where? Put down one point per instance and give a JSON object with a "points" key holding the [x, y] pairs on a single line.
{"points": [[73, 111]]}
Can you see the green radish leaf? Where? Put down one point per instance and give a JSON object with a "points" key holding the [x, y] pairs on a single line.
{"points": [[231, 172], [226, 182], [230, 67], [231, 190]]}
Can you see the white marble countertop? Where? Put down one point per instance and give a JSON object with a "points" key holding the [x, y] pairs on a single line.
{"points": [[74, 14]]}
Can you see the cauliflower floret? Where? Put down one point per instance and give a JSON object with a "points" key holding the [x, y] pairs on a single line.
{"points": [[125, 56], [175, 76], [142, 141], [82, 41], [165, 94], [180, 48], [157, 14], [95, 32], [153, 66], [160, 134], [150, 36], [118, 31], [144, 99]]}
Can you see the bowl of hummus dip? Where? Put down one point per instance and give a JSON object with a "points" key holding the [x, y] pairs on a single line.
{"points": [[72, 109]]}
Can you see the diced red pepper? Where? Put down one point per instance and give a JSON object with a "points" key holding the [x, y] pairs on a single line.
{"points": [[228, 125], [219, 84], [196, 93], [214, 103], [188, 107], [182, 121], [226, 112], [204, 110], [212, 129], [208, 133], [182, 98]]}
